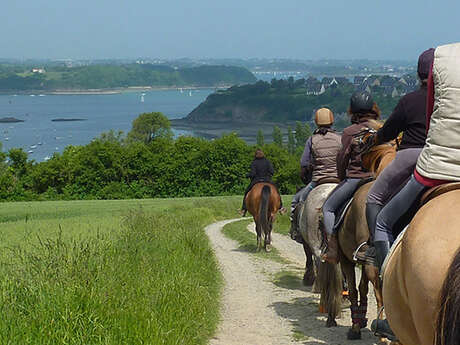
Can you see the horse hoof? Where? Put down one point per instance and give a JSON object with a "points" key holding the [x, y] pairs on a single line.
{"points": [[363, 323], [331, 323], [268, 248], [353, 335]]}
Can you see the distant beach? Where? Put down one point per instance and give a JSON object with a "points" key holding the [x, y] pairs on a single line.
{"points": [[112, 91]]}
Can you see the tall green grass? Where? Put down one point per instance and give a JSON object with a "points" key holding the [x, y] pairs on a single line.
{"points": [[109, 272]]}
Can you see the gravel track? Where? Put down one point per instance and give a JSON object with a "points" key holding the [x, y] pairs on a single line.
{"points": [[259, 310]]}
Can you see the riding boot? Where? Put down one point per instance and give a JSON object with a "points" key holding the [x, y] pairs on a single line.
{"points": [[381, 251], [331, 254], [243, 210], [372, 211], [294, 231], [366, 252], [382, 328]]}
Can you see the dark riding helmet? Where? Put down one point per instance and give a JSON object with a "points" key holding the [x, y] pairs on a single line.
{"points": [[425, 61], [259, 154], [361, 102]]}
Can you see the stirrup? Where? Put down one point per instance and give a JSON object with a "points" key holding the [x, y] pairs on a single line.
{"points": [[364, 257]]}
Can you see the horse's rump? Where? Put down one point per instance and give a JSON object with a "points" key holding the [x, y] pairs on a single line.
{"points": [[309, 216], [415, 273]]}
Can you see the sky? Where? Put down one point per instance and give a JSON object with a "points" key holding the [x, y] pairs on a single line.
{"points": [[299, 29]]}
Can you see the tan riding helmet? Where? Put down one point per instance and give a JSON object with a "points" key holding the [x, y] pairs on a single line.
{"points": [[324, 117]]}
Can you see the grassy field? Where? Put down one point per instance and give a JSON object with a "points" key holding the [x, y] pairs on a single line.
{"points": [[109, 272]]}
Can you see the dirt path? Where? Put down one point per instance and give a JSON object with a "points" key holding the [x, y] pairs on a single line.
{"points": [[258, 309]]}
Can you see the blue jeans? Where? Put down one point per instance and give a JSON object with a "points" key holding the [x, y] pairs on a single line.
{"points": [[393, 176], [337, 198], [301, 195], [396, 208]]}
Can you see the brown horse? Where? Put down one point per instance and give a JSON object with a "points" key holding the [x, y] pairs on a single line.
{"points": [[353, 232], [422, 277], [263, 202]]}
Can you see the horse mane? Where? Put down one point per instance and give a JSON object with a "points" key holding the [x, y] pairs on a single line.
{"points": [[378, 157]]}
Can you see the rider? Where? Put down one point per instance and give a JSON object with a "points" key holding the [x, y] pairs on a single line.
{"points": [[363, 110], [261, 171], [409, 117], [439, 161], [318, 161]]}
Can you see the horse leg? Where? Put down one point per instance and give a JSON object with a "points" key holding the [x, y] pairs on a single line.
{"points": [[259, 236], [363, 291], [348, 269], [268, 237], [309, 276], [373, 274]]}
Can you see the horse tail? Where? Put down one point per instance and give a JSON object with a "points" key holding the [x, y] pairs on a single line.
{"points": [[448, 320], [330, 284], [263, 214]]}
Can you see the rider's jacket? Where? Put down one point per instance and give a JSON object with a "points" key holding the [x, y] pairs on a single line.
{"points": [[261, 170], [324, 150], [440, 157], [409, 117], [349, 156]]}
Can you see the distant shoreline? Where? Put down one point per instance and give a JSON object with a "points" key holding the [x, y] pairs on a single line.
{"points": [[111, 91], [246, 130]]}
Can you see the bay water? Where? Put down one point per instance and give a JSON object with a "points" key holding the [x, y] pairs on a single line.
{"points": [[41, 137]]}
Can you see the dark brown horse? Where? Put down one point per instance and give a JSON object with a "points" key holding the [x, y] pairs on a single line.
{"points": [[353, 232], [263, 202]]}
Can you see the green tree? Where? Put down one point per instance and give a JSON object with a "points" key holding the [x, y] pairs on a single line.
{"points": [[260, 138], [112, 136], [301, 134], [277, 136], [150, 126], [18, 161], [308, 131], [291, 141]]}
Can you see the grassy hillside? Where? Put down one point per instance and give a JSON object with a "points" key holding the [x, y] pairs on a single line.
{"points": [[109, 272], [22, 78]]}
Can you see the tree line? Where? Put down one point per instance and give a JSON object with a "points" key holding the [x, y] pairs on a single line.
{"points": [[119, 76], [149, 163]]}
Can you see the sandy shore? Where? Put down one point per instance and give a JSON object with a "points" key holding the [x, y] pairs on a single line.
{"points": [[112, 91], [245, 130]]}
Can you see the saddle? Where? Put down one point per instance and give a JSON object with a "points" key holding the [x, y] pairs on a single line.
{"points": [[437, 191], [342, 211], [325, 180]]}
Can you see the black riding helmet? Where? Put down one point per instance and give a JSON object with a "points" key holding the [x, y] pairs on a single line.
{"points": [[361, 102]]}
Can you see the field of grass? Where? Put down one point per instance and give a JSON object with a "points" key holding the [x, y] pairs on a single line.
{"points": [[109, 272]]}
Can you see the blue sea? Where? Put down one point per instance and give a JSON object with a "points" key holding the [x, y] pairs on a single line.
{"points": [[41, 137]]}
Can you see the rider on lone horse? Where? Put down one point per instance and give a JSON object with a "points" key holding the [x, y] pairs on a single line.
{"points": [[261, 171], [409, 117], [318, 161], [363, 110]]}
